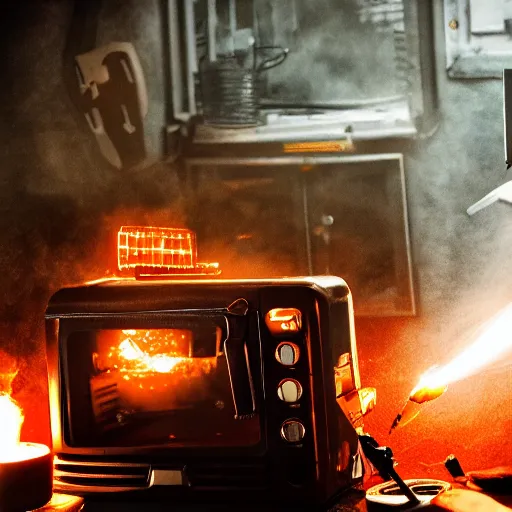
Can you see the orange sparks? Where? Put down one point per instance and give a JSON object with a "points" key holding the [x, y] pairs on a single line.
{"points": [[141, 353], [129, 348], [159, 363]]}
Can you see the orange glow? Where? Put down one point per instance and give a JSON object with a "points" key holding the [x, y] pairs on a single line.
{"points": [[156, 247], [428, 388], [10, 428], [154, 369], [160, 363], [331, 146], [154, 250], [11, 421], [493, 340], [8, 374], [426, 393]]}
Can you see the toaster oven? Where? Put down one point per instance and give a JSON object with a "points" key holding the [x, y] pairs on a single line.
{"points": [[193, 387]]}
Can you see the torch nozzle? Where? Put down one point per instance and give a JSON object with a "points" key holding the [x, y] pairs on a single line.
{"points": [[396, 421], [428, 388], [409, 411]]}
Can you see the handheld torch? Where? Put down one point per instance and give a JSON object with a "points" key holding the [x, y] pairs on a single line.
{"points": [[491, 342], [424, 391]]}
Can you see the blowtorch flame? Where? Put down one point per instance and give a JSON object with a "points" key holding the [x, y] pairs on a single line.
{"points": [[10, 428], [429, 387], [493, 340]]}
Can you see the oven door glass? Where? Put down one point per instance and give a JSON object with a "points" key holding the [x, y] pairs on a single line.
{"points": [[168, 384]]}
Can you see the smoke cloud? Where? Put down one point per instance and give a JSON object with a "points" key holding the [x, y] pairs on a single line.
{"points": [[61, 206]]}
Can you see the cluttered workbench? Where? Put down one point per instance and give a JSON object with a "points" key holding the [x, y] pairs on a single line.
{"points": [[460, 498], [478, 491]]}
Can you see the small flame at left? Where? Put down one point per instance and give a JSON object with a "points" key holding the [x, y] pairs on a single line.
{"points": [[26, 469], [11, 420]]}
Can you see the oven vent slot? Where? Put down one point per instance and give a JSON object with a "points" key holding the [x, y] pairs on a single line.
{"points": [[117, 476], [222, 477]]}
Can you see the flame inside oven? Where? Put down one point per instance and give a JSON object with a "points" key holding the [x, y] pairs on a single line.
{"points": [[155, 386], [160, 363], [154, 369], [144, 352]]}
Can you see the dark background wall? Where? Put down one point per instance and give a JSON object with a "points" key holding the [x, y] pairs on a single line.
{"points": [[61, 205]]}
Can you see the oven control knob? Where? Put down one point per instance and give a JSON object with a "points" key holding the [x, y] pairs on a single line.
{"points": [[283, 320], [289, 390], [287, 353], [293, 431]]}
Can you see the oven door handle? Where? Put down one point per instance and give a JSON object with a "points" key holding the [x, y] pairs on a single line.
{"points": [[237, 357]]}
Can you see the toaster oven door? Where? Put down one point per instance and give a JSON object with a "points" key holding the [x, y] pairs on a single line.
{"points": [[176, 381]]}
